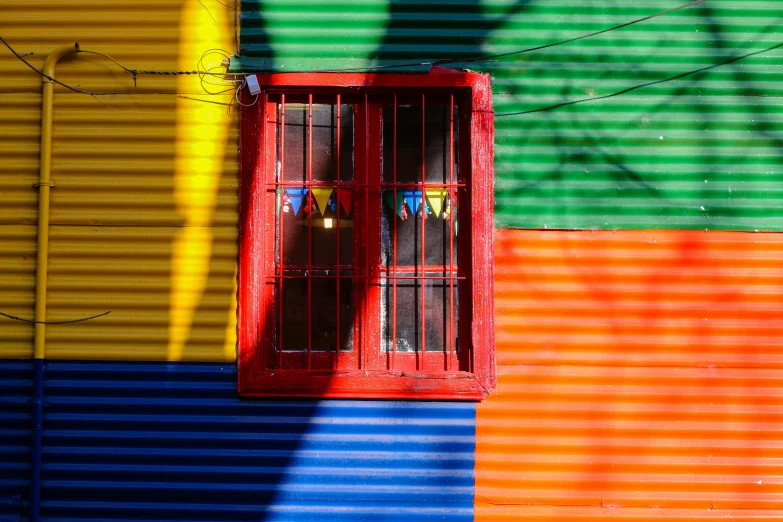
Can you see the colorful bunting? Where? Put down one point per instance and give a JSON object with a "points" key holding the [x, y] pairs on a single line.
{"points": [[437, 202], [412, 199], [388, 198], [435, 198], [321, 195], [296, 195], [345, 198]]}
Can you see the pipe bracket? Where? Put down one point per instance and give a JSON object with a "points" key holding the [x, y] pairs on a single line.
{"points": [[45, 183]]}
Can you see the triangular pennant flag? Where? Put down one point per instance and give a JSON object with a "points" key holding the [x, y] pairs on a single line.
{"points": [[435, 198], [388, 198], [296, 195], [321, 195], [413, 200], [345, 198]]}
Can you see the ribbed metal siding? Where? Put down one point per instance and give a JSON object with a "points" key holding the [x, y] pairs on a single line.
{"points": [[639, 298], [117, 212], [144, 35], [17, 288], [118, 167], [15, 424], [636, 370], [128, 270], [144, 211], [19, 149], [701, 152], [166, 441]]}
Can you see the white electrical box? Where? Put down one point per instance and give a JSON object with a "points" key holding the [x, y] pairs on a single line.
{"points": [[252, 84]]}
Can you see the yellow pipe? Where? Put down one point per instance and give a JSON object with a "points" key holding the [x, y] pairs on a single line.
{"points": [[44, 186]]}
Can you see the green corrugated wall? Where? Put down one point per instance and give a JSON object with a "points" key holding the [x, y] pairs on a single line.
{"points": [[701, 151]]}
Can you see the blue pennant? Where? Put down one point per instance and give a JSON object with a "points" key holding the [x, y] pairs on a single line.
{"points": [[413, 200], [296, 195]]}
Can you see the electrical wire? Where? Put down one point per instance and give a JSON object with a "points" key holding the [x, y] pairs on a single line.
{"points": [[227, 81], [569, 40], [31, 321], [43, 74], [641, 86], [206, 74], [236, 95], [484, 57], [136, 72], [204, 71]]}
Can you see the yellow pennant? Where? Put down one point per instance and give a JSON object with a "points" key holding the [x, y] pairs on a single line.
{"points": [[321, 195], [435, 197]]}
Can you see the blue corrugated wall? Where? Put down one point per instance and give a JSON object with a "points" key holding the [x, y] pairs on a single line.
{"points": [[172, 441], [16, 385]]}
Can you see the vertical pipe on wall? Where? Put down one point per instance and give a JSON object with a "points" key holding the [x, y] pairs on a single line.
{"points": [[42, 265]]}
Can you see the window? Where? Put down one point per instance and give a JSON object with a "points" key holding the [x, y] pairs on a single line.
{"points": [[365, 265]]}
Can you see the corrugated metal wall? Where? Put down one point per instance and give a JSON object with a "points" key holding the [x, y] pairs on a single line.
{"points": [[15, 423], [636, 370], [144, 224], [144, 213], [701, 151], [171, 441]]}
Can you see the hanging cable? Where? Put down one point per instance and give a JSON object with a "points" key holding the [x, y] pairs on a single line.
{"points": [[31, 321], [205, 71], [641, 86], [41, 73], [483, 57], [569, 40]]}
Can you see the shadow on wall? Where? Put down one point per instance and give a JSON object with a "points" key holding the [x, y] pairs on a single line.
{"points": [[144, 224], [413, 25], [637, 369], [595, 159], [171, 440]]}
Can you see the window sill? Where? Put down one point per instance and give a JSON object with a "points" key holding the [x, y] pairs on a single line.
{"points": [[367, 384]]}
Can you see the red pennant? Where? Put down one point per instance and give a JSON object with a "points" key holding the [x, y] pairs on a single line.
{"points": [[345, 197]]}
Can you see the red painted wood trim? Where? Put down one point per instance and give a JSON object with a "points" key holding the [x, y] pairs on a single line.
{"points": [[250, 286], [366, 385], [257, 234], [482, 234], [438, 77]]}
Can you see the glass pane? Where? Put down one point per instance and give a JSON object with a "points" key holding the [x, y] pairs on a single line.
{"points": [[295, 154], [437, 297], [293, 223], [440, 221], [324, 167], [300, 209], [409, 154], [294, 314], [327, 226], [323, 315]]}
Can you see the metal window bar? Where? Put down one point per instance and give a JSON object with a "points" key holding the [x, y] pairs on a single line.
{"points": [[394, 236], [423, 237], [422, 277], [338, 282], [309, 229], [282, 235], [265, 201], [423, 272], [450, 337], [365, 229]]}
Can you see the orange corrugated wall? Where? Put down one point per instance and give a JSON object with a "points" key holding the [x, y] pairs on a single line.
{"points": [[640, 377]]}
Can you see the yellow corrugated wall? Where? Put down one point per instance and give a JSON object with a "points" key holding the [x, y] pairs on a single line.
{"points": [[144, 213]]}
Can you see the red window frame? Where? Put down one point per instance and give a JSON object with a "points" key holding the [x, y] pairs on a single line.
{"points": [[361, 375]]}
